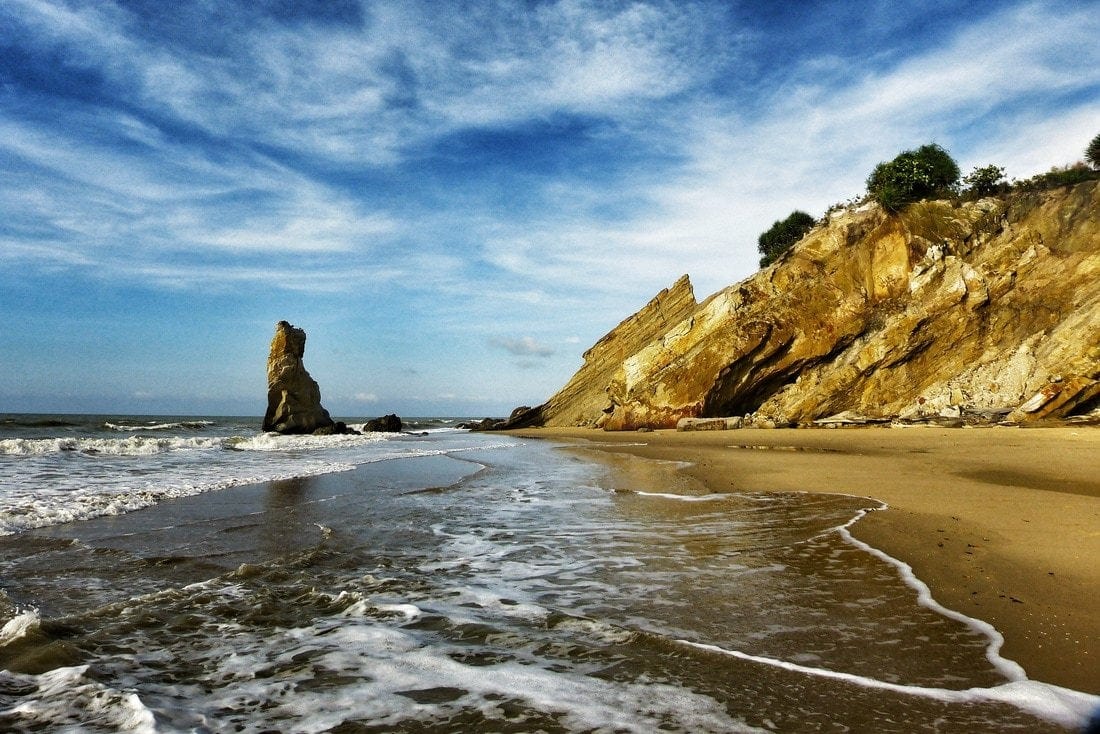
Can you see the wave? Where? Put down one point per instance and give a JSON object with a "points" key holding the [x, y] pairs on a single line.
{"points": [[38, 423], [170, 426], [69, 699], [1062, 706], [21, 626], [31, 512], [132, 446], [140, 445]]}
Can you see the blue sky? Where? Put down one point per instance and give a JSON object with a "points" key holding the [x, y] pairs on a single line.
{"points": [[454, 200]]}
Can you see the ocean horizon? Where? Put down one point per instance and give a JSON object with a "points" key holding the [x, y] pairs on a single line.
{"points": [[192, 573]]}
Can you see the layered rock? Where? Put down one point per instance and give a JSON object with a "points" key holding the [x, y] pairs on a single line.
{"points": [[293, 397], [584, 399], [986, 307]]}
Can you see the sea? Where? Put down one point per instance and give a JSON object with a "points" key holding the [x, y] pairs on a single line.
{"points": [[194, 574]]}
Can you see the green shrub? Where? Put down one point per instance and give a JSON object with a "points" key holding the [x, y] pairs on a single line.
{"points": [[927, 172], [1092, 153], [1059, 176], [984, 181], [779, 238]]}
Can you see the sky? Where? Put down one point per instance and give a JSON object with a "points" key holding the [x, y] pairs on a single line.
{"points": [[455, 199]]}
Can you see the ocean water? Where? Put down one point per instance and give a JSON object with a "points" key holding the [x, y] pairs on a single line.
{"points": [[195, 575]]}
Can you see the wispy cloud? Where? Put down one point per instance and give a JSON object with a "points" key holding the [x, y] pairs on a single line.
{"points": [[808, 146], [460, 171], [525, 346]]}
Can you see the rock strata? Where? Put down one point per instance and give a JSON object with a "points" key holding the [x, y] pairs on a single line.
{"points": [[293, 397], [945, 312]]}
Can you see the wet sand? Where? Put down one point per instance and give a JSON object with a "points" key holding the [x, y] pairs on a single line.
{"points": [[1003, 524]]}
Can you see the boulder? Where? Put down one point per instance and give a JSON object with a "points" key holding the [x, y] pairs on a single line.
{"points": [[522, 417], [1056, 397], [293, 397], [386, 424], [710, 424], [485, 424], [337, 428]]}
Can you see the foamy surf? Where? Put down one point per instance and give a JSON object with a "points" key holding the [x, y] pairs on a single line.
{"points": [[87, 470], [1061, 706], [526, 595], [68, 699]]}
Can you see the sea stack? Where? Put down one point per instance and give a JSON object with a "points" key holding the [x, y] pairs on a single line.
{"points": [[293, 397]]}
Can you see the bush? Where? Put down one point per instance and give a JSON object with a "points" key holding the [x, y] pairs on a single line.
{"points": [[779, 238], [1059, 176], [927, 172], [984, 181], [1092, 153]]}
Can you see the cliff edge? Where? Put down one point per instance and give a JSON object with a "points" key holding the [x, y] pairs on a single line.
{"points": [[988, 308]]}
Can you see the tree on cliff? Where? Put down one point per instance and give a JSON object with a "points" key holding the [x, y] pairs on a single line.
{"points": [[779, 238], [984, 181], [1092, 153], [924, 173]]}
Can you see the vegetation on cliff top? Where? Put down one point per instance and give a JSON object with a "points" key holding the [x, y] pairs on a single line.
{"points": [[782, 234], [1092, 153], [924, 173]]}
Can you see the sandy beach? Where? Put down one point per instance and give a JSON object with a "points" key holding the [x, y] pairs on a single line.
{"points": [[1003, 524]]}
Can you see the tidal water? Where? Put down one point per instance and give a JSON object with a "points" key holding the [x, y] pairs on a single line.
{"points": [[195, 575]]}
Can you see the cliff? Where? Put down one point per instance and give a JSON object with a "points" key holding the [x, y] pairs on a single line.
{"points": [[293, 397], [988, 308]]}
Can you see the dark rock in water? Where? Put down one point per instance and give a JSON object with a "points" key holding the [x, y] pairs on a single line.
{"points": [[293, 397], [386, 424], [485, 424], [522, 417], [337, 428]]}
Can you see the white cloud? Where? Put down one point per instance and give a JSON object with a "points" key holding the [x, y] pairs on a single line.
{"points": [[729, 168], [814, 145]]}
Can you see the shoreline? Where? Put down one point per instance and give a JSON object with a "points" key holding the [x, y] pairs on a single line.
{"points": [[1002, 524]]}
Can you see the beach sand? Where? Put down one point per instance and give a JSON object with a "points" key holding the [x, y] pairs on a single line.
{"points": [[1003, 524]]}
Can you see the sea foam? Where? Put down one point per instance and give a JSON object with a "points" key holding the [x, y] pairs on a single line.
{"points": [[1062, 706]]}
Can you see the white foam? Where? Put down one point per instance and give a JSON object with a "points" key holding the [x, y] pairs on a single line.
{"points": [[64, 479], [34, 509], [1008, 668], [390, 662], [159, 426], [280, 442], [684, 497], [406, 611], [1062, 706], [129, 446], [67, 700], [19, 627]]}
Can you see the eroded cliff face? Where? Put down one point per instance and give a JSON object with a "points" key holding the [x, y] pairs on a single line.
{"points": [[293, 397], [986, 307]]}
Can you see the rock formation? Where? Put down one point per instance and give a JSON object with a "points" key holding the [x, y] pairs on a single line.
{"points": [[988, 308], [293, 397], [386, 424]]}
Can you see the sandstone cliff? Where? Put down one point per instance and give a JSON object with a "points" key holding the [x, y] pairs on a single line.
{"points": [[984, 308], [293, 397]]}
